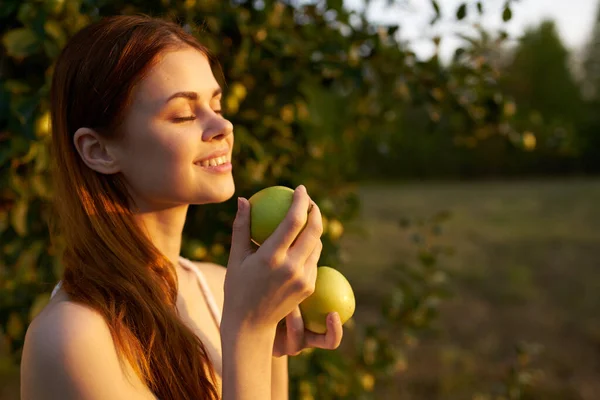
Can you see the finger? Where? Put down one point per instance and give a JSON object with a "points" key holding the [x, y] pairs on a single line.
{"points": [[240, 239], [295, 331], [311, 264], [331, 339], [310, 236], [293, 223]]}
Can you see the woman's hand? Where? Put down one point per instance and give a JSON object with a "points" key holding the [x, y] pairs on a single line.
{"points": [[291, 337], [263, 287]]}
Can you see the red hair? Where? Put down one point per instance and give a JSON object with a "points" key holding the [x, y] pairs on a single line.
{"points": [[111, 265]]}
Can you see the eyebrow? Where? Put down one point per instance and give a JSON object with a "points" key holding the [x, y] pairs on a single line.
{"points": [[192, 95]]}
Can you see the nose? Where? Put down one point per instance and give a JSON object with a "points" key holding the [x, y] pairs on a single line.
{"points": [[218, 129]]}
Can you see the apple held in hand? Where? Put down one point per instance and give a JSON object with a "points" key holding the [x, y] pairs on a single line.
{"points": [[333, 293], [269, 207]]}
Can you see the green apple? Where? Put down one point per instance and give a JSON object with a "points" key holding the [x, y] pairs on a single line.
{"points": [[268, 208], [333, 293]]}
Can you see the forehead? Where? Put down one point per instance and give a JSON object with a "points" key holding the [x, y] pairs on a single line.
{"points": [[178, 70]]}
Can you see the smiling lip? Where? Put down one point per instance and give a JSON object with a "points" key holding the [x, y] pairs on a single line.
{"points": [[226, 167], [222, 168], [218, 153]]}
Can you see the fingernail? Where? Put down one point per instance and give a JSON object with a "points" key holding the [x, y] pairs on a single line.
{"points": [[241, 204], [334, 317], [302, 187]]}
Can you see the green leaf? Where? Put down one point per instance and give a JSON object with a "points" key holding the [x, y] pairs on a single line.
{"points": [[24, 107], [336, 5], [42, 160], [5, 154], [40, 187], [51, 49], [54, 7], [393, 29], [19, 146], [507, 14], [14, 326], [480, 7], [26, 265], [436, 7], [458, 53], [18, 217], [461, 13], [27, 13], [16, 87], [56, 38], [21, 42], [438, 13], [31, 154], [38, 305], [56, 32]]}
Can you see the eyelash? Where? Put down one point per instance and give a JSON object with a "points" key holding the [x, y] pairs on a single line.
{"points": [[192, 117], [184, 119]]}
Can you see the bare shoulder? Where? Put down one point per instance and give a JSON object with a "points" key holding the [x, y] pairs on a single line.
{"points": [[63, 326], [69, 354]]}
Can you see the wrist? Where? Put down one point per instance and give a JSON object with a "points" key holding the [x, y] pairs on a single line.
{"points": [[235, 331], [247, 360]]}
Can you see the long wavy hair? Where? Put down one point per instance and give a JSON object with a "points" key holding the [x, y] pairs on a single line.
{"points": [[110, 263]]}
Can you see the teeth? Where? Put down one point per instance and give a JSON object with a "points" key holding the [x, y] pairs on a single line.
{"points": [[213, 162]]}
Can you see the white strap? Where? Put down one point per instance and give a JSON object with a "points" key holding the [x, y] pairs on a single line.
{"points": [[210, 300], [56, 289]]}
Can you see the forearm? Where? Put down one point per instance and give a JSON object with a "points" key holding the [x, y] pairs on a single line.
{"points": [[247, 358], [280, 379]]}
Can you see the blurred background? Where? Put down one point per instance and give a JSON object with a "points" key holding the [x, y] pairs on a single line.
{"points": [[453, 147]]}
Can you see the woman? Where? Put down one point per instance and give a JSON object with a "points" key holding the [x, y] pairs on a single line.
{"points": [[138, 135]]}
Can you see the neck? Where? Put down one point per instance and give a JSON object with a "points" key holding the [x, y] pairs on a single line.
{"points": [[165, 228]]}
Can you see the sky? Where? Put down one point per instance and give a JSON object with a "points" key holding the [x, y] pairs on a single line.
{"points": [[574, 20]]}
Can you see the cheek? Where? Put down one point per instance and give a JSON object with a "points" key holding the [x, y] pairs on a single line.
{"points": [[157, 163]]}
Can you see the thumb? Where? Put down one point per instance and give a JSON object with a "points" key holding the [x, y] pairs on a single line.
{"points": [[240, 239]]}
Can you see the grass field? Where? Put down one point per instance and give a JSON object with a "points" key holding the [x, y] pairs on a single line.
{"points": [[526, 267]]}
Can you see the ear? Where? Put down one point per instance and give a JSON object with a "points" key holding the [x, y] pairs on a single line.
{"points": [[95, 151]]}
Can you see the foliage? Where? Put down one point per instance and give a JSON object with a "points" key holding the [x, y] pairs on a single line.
{"points": [[450, 120], [305, 84], [541, 82], [589, 137], [496, 110], [591, 63]]}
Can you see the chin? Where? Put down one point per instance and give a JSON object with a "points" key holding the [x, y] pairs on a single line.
{"points": [[216, 194]]}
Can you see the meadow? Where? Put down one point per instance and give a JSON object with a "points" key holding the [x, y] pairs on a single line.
{"points": [[524, 268]]}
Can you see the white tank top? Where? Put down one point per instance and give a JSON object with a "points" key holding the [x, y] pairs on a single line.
{"points": [[202, 283]]}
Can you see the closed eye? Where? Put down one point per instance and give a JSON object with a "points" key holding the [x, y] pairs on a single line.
{"points": [[192, 117], [184, 119]]}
